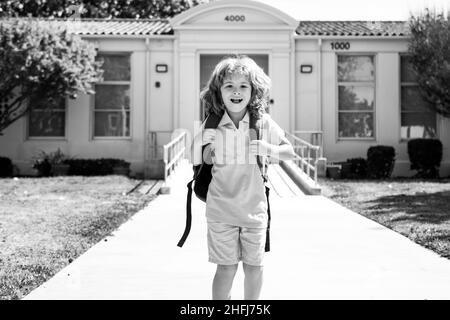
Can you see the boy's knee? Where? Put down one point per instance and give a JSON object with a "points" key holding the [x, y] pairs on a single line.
{"points": [[252, 270], [227, 269]]}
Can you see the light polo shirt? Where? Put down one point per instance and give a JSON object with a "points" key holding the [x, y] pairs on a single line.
{"points": [[236, 194]]}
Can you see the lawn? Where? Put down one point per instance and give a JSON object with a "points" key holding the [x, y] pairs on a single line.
{"points": [[46, 223], [417, 209]]}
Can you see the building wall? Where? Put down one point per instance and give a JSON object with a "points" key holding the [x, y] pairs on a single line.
{"points": [[175, 103], [307, 87], [310, 116], [79, 141]]}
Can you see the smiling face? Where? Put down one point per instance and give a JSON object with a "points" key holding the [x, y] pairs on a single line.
{"points": [[236, 92]]}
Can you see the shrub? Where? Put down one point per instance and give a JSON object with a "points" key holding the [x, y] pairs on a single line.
{"points": [[425, 156], [380, 161], [6, 167], [358, 168], [94, 167], [44, 161]]}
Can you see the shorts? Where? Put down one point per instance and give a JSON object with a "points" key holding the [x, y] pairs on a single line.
{"points": [[229, 244]]}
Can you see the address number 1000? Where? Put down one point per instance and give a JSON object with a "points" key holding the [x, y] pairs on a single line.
{"points": [[340, 45], [235, 18]]}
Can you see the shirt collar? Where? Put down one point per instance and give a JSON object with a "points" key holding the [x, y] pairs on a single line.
{"points": [[226, 119]]}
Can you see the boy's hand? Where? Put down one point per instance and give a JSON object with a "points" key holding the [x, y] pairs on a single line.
{"points": [[261, 148], [208, 136]]}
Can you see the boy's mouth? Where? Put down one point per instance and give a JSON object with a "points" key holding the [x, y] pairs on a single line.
{"points": [[237, 101]]}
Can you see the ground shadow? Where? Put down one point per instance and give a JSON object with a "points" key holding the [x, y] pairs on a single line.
{"points": [[423, 207]]}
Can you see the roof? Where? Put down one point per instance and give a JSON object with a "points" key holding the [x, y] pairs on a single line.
{"points": [[353, 28], [120, 27], [145, 27], [109, 27]]}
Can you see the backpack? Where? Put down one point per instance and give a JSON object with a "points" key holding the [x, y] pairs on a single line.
{"points": [[202, 176]]}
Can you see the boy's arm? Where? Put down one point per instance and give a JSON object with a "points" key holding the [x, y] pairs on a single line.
{"points": [[196, 148], [208, 153], [204, 137], [283, 151]]}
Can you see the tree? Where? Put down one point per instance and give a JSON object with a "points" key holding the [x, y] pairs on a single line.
{"points": [[135, 9], [429, 48], [40, 61]]}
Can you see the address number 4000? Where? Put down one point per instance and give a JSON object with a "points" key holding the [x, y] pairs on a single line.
{"points": [[235, 18]]}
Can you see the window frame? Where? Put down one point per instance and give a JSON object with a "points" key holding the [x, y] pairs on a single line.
{"points": [[48, 138], [401, 112], [372, 84], [118, 83]]}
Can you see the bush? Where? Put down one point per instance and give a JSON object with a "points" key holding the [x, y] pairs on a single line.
{"points": [[44, 162], [94, 167], [425, 156], [358, 168], [6, 167], [380, 161]]}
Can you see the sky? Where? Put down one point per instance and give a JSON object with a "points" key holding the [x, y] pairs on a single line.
{"points": [[381, 10]]}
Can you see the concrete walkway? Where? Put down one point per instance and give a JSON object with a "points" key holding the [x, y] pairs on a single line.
{"points": [[320, 250]]}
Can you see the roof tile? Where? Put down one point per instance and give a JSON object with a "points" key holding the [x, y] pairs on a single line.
{"points": [[146, 27], [353, 28]]}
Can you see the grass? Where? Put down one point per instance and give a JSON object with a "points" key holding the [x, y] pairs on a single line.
{"points": [[417, 209], [46, 223]]}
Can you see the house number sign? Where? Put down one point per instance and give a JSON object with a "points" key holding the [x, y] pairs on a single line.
{"points": [[340, 45], [235, 18]]}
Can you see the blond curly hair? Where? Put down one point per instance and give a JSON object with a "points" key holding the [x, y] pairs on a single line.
{"points": [[211, 98]]}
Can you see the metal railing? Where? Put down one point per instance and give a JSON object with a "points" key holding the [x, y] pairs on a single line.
{"points": [[307, 154], [162, 159], [313, 137], [173, 153]]}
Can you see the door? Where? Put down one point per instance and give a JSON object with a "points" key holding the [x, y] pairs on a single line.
{"points": [[209, 61]]}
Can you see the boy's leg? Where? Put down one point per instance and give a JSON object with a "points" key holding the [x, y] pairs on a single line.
{"points": [[253, 242], [223, 281], [253, 281], [224, 251]]}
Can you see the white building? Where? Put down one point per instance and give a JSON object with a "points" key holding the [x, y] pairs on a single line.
{"points": [[350, 80]]}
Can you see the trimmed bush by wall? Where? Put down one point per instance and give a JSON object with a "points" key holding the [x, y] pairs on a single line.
{"points": [[6, 167], [358, 168], [94, 167], [425, 156], [380, 161]]}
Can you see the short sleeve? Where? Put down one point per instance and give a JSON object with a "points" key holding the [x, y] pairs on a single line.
{"points": [[273, 133]]}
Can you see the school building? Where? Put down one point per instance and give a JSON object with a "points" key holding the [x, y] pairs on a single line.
{"points": [[351, 81]]}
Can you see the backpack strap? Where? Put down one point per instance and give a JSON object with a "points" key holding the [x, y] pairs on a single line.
{"points": [[211, 122], [256, 134]]}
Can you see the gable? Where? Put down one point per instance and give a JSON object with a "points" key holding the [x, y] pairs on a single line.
{"points": [[234, 14]]}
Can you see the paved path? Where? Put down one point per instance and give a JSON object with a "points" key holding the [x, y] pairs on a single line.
{"points": [[320, 250]]}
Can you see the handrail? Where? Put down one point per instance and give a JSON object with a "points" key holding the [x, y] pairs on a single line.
{"points": [[173, 153], [307, 155], [316, 138]]}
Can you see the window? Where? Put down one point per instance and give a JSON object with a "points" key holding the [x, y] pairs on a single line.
{"points": [[417, 119], [112, 97], [356, 96], [47, 121]]}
